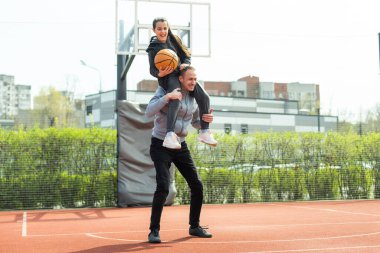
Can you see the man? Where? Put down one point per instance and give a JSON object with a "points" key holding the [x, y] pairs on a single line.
{"points": [[162, 157]]}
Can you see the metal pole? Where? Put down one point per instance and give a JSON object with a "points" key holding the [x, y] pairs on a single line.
{"points": [[97, 70], [319, 120], [121, 93]]}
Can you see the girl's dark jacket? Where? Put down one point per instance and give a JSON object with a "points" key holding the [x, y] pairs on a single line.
{"points": [[154, 47]]}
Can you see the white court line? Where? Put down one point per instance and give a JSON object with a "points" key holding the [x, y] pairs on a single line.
{"points": [[114, 239], [313, 224], [254, 227], [24, 224], [328, 210], [101, 232], [210, 241], [321, 249]]}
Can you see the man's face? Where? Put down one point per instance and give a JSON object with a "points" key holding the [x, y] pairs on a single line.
{"points": [[188, 80]]}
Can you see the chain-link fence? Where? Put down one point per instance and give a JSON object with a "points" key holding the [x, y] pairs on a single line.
{"points": [[57, 168], [287, 166], [66, 168]]}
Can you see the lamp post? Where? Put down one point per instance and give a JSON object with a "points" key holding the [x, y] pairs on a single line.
{"points": [[97, 70]]}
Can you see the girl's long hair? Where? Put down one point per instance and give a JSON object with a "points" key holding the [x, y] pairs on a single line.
{"points": [[174, 39]]}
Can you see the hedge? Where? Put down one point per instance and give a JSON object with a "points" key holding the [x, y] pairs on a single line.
{"points": [[66, 168], [57, 168]]}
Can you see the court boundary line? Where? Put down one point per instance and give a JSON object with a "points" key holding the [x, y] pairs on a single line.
{"points": [[327, 210], [320, 249], [24, 229], [242, 242], [184, 229]]}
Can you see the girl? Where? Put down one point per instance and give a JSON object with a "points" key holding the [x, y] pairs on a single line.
{"points": [[168, 79]]}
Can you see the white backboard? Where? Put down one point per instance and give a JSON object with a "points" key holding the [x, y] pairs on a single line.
{"points": [[189, 20]]}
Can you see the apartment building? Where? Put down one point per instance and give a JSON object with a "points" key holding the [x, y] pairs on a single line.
{"points": [[232, 114], [245, 105], [13, 97], [307, 94]]}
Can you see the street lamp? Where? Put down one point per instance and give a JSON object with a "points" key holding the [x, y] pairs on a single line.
{"points": [[97, 70]]}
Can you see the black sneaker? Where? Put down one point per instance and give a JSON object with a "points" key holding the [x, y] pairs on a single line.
{"points": [[154, 236], [200, 232]]}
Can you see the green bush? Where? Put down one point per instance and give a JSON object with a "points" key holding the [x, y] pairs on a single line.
{"points": [[287, 166], [57, 168], [67, 168]]}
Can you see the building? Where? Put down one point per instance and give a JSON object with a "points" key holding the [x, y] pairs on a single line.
{"points": [[232, 114], [54, 108], [307, 94], [100, 109], [13, 97], [23, 97], [246, 105]]}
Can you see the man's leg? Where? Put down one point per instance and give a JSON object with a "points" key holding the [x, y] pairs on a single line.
{"points": [[161, 193], [186, 167], [161, 160]]}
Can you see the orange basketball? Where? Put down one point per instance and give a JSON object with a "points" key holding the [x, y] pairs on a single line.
{"points": [[166, 57]]}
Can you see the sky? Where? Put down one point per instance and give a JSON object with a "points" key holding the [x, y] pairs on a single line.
{"points": [[333, 43]]}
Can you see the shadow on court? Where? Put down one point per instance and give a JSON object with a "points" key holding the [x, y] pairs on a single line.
{"points": [[134, 247]]}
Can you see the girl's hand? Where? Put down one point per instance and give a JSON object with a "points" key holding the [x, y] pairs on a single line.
{"points": [[184, 65], [208, 117], [165, 71]]}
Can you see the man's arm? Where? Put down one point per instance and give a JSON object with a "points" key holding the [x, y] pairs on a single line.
{"points": [[196, 123], [160, 99]]}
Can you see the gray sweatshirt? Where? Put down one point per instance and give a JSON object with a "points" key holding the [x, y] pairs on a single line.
{"points": [[188, 114]]}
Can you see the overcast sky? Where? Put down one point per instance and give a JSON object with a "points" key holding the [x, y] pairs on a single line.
{"points": [[333, 43]]}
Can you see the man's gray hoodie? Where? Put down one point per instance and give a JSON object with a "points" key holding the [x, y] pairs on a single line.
{"points": [[188, 114]]}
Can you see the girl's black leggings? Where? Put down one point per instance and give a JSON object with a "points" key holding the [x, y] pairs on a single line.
{"points": [[200, 95]]}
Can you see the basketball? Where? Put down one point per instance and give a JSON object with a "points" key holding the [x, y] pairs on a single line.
{"points": [[166, 57]]}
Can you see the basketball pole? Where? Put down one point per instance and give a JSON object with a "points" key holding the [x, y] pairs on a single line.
{"points": [[124, 62], [379, 52]]}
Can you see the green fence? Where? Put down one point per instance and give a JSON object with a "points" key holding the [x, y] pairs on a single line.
{"points": [[55, 168], [288, 166], [66, 168]]}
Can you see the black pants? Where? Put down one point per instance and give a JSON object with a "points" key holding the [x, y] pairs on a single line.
{"points": [[162, 158], [200, 95]]}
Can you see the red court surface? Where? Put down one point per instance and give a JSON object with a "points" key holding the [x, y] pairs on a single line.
{"points": [[323, 226]]}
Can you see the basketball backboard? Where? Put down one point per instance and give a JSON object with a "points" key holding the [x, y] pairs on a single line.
{"points": [[189, 20]]}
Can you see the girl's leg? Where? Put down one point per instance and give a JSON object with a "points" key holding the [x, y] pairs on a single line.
{"points": [[203, 101], [171, 139], [173, 83]]}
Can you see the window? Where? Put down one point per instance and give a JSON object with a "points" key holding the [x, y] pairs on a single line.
{"points": [[244, 128], [227, 128], [240, 93], [89, 110]]}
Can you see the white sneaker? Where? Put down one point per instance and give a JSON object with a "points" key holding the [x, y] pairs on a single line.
{"points": [[208, 138], [171, 141]]}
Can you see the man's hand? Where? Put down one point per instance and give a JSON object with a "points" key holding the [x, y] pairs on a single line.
{"points": [[208, 117], [175, 94]]}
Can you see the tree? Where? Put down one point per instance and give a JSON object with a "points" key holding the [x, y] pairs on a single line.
{"points": [[373, 119], [53, 108]]}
